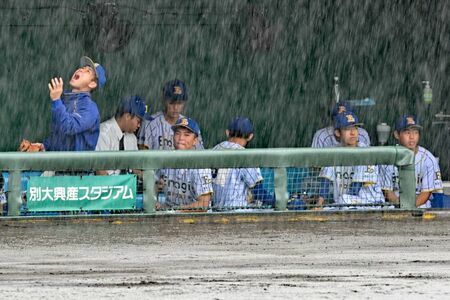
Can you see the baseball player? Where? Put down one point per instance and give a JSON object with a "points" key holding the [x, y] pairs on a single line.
{"points": [[185, 188], [325, 137], [232, 186], [158, 133], [75, 116], [350, 184], [428, 175], [117, 133]]}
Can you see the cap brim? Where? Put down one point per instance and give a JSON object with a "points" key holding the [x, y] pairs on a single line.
{"points": [[411, 127], [86, 61], [174, 127], [352, 125]]}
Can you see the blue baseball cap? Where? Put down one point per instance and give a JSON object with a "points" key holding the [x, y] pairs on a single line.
{"points": [[241, 125], [346, 119], [175, 90], [99, 70], [342, 106], [134, 105], [187, 123], [407, 122]]}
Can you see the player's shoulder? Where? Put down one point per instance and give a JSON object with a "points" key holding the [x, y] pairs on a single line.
{"points": [[227, 145], [425, 156], [326, 131]]}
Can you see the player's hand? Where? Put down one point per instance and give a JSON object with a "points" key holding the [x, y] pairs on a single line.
{"points": [[24, 145], [27, 146], [56, 88]]}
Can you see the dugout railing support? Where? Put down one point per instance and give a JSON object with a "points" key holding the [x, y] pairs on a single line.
{"points": [[149, 161]]}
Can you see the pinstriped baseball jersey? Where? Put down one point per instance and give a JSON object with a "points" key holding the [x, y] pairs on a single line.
{"points": [[231, 186], [184, 186], [324, 138], [343, 177], [158, 134], [427, 171]]}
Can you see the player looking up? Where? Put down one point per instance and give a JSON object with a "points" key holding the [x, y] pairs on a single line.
{"points": [[75, 116]]}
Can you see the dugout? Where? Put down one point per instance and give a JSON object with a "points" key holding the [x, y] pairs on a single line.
{"points": [[271, 60]]}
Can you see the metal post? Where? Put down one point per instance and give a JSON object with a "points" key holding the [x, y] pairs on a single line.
{"points": [[281, 192], [407, 179], [14, 193], [149, 191]]}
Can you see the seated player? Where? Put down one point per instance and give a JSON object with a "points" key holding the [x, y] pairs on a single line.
{"points": [[232, 186], [350, 184], [185, 188], [428, 175]]}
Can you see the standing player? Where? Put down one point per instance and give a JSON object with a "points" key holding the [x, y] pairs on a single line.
{"points": [[326, 137], [232, 187], [428, 174], [351, 184], [158, 133], [185, 188], [117, 133], [75, 117]]}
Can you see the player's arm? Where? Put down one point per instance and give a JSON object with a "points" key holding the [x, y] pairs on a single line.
{"points": [[391, 197], [422, 198], [202, 202]]}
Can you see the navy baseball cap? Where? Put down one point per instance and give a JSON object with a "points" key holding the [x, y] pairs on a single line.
{"points": [[241, 125], [189, 124], [346, 119], [99, 70], [134, 105], [342, 106], [175, 90], [407, 122]]}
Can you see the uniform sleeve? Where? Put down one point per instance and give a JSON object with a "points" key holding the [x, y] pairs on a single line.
{"points": [[317, 141], [72, 123], [363, 136], [202, 181], [431, 179], [387, 177], [251, 176]]}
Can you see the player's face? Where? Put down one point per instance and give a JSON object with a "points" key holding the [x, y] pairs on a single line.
{"points": [[408, 138], [132, 124], [174, 109], [184, 139], [83, 79], [348, 136]]}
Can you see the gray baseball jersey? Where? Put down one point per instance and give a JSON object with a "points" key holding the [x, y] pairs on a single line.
{"points": [[343, 177], [232, 185], [427, 171], [184, 186]]}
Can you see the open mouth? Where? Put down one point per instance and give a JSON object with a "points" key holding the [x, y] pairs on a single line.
{"points": [[76, 77]]}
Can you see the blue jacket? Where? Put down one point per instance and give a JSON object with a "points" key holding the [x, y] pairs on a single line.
{"points": [[75, 123]]}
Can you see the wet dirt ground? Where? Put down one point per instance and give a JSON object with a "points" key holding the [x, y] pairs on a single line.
{"points": [[329, 260]]}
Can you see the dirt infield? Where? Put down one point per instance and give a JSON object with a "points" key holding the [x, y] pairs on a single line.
{"points": [[169, 258]]}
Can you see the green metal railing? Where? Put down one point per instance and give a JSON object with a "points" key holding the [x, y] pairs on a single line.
{"points": [[149, 161]]}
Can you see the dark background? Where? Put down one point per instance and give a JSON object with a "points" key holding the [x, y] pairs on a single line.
{"points": [[273, 61]]}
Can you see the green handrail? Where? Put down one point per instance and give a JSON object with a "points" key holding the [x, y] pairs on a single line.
{"points": [[149, 161]]}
